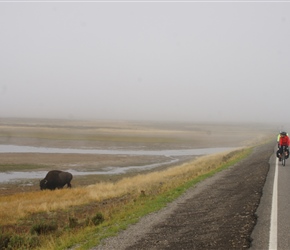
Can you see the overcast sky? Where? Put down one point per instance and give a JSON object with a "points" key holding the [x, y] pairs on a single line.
{"points": [[183, 61]]}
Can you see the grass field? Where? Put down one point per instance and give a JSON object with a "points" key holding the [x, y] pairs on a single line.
{"points": [[33, 219]]}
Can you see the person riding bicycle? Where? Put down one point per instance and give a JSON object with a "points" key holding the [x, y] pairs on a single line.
{"points": [[278, 137], [283, 141]]}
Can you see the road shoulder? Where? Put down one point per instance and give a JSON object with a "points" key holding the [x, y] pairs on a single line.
{"points": [[218, 213]]}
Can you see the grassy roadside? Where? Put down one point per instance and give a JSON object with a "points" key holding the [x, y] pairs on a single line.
{"points": [[82, 217], [145, 205]]}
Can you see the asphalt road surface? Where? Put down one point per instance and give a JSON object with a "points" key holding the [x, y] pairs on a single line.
{"points": [[273, 227], [219, 213]]}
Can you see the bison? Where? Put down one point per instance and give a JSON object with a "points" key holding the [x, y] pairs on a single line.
{"points": [[56, 179]]}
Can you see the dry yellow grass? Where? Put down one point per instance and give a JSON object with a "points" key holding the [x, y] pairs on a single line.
{"points": [[17, 206]]}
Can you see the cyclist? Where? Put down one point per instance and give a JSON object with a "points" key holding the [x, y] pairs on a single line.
{"points": [[283, 141], [278, 137]]}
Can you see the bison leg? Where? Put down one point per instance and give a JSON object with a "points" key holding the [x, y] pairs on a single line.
{"points": [[68, 185]]}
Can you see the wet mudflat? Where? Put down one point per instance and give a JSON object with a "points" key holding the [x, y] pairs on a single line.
{"points": [[161, 145], [169, 157], [59, 144]]}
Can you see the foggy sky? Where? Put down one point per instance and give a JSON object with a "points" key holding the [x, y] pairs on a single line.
{"points": [[183, 61]]}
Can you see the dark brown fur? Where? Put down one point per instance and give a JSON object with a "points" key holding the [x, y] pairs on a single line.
{"points": [[56, 179]]}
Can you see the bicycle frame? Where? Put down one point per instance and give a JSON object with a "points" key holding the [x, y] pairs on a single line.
{"points": [[283, 156]]}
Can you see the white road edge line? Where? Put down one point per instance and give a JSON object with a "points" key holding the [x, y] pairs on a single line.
{"points": [[273, 242]]}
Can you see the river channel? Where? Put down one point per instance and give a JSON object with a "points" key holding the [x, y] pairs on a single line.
{"points": [[173, 156]]}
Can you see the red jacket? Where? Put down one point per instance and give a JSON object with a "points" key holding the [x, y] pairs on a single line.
{"points": [[284, 141]]}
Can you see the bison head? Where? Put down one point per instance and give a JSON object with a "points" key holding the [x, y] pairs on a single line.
{"points": [[43, 184]]}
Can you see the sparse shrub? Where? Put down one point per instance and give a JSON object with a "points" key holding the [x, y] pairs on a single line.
{"points": [[44, 228], [73, 222], [4, 240], [143, 194], [18, 242], [98, 219], [33, 241]]}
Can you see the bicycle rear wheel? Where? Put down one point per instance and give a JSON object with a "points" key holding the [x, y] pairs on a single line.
{"points": [[283, 159]]}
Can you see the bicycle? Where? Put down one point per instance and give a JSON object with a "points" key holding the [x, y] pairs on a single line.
{"points": [[284, 155]]}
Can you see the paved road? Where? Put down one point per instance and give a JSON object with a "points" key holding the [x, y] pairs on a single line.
{"points": [[273, 226]]}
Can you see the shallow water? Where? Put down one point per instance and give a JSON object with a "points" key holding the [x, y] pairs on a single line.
{"points": [[171, 154], [178, 152], [18, 175]]}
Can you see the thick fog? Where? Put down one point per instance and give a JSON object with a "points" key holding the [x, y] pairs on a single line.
{"points": [[145, 60]]}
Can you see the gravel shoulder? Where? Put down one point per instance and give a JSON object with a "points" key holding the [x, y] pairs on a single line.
{"points": [[218, 213]]}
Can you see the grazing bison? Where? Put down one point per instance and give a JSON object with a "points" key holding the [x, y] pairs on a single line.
{"points": [[56, 179]]}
